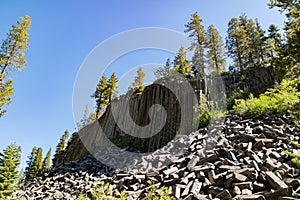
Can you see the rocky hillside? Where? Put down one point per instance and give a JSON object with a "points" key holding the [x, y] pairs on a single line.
{"points": [[255, 80], [238, 158]]}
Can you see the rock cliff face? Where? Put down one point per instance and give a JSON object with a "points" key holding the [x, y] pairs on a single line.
{"points": [[237, 158], [256, 80]]}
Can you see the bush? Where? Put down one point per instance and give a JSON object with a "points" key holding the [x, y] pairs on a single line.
{"points": [[162, 194], [280, 100], [109, 192], [241, 94], [207, 111], [295, 156], [204, 118], [104, 192]]}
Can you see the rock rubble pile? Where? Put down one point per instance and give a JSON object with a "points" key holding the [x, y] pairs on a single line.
{"points": [[240, 158]]}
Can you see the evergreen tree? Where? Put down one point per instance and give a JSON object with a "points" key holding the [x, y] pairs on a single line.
{"points": [[112, 86], [256, 50], [247, 26], [46, 162], [6, 90], [289, 53], [21, 178], [101, 95], [84, 121], [9, 162], [236, 43], [36, 168], [12, 57], [261, 43], [274, 42], [139, 79], [137, 85], [196, 30], [181, 64], [198, 62], [92, 117], [30, 161], [164, 71], [197, 33], [245, 42], [60, 147], [215, 50]]}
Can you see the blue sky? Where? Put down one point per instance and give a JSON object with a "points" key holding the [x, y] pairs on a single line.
{"points": [[63, 33]]}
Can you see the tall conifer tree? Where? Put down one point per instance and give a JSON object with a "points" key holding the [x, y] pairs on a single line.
{"points": [[215, 50], [196, 32], [137, 85], [112, 86], [30, 161], [12, 57], [47, 161], [9, 163], [36, 168], [101, 95], [60, 147], [181, 63]]}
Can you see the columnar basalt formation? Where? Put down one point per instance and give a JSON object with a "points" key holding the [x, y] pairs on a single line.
{"points": [[256, 80]]}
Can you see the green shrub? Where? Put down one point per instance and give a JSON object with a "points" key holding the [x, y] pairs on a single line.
{"points": [[279, 100], [204, 118], [162, 194], [295, 157], [241, 94], [104, 192], [109, 192], [207, 111]]}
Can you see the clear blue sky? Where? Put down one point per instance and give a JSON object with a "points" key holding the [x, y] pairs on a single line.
{"points": [[62, 35]]}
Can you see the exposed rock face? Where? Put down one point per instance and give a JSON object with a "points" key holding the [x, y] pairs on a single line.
{"points": [[256, 80], [238, 159]]}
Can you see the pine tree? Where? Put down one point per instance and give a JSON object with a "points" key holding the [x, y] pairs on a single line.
{"points": [[138, 84], [274, 42], [198, 62], [9, 162], [196, 30], [139, 79], [289, 54], [21, 178], [92, 117], [261, 43], [84, 121], [6, 90], [12, 57], [245, 42], [101, 95], [60, 147], [181, 64], [36, 168], [47, 162], [164, 71], [112, 86], [29, 164], [255, 53], [236, 43], [215, 50], [197, 33]]}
